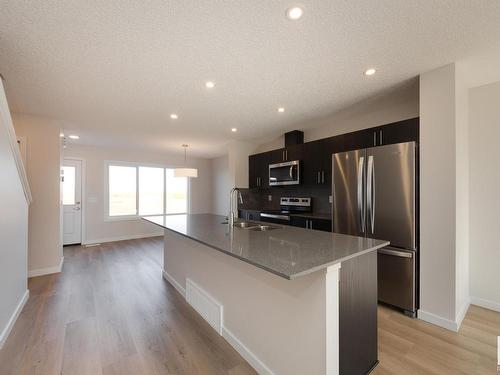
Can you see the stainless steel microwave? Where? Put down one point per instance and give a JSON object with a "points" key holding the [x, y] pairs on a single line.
{"points": [[287, 173]]}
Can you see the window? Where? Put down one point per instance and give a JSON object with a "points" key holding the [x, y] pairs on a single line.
{"points": [[176, 193], [122, 190], [68, 185], [135, 190], [151, 189]]}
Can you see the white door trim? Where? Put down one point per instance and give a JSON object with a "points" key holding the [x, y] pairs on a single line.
{"points": [[83, 197]]}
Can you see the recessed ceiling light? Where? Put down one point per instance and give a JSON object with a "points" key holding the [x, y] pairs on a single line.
{"points": [[370, 72], [209, 85], [234, 130], [174, 116], [61, 135], [294, 13], [281, 109], [74, 137]]}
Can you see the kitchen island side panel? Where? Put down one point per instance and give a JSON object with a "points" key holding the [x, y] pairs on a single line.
{"points": [[358, 315], [283, 323]]}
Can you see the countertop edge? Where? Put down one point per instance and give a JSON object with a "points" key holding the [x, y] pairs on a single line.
{"points": [[287, 277]]}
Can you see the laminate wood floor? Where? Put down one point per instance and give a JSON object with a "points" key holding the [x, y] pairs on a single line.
{"points": [[110, 312]]}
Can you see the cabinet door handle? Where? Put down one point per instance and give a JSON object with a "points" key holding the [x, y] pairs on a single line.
{"points": [[374, 138], [322, 177], [310, 224], [318, 178], [380, 136], [286, 154]]}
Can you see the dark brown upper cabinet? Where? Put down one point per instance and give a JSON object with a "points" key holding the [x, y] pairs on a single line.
{"points": [[316, 156], [317, 161], [258, 169], [289, 153], [396, 132]]}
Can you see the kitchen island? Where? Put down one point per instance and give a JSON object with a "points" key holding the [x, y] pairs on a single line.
{"points": [[289, 300]]}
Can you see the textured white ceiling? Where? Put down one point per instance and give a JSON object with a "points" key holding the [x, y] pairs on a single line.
{"points": [[114, 70]]}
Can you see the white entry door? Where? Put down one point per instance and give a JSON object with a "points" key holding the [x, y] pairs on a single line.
{"points": [[72, 199]]}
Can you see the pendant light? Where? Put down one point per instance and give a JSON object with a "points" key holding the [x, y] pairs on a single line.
{"points": [[185, 171]]}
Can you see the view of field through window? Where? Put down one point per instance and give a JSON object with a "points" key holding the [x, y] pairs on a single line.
{"points": [[146, 191]]}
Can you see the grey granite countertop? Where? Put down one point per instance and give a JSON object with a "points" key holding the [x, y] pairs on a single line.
{"points": [[288, 251]]}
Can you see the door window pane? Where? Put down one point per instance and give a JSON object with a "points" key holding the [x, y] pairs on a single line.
{"points": [[68, 185], [122, 190], [150, 191], [177, 193]]}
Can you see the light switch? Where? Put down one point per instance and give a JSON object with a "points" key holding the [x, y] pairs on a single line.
{"points": [[330, 198]]}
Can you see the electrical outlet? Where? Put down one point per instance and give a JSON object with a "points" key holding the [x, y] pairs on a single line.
{"points": [[270, 198], [330, 198]]}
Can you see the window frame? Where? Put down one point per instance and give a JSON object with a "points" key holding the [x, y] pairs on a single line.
{"points": [[136, 165]]}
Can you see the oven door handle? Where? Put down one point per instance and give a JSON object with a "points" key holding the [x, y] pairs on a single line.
{"points": [[272, 216]]}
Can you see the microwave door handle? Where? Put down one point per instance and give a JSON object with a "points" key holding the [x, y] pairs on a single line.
{"points": [[291, 172], [361, 215]]}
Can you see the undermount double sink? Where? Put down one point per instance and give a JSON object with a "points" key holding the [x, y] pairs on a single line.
{"points": [[248, 225]]}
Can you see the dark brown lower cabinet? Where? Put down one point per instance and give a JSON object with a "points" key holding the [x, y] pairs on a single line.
{"points": [[311, 223], [358, 315]]}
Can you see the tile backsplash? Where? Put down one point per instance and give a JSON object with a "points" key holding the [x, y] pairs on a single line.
{"points": [[258, 199]]}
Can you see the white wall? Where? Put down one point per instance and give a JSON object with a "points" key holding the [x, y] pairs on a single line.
{"points": [[399, 104], [484, 190], [238, 153], [221, 185], [437, 192], [462, 270], [444, 196], [43, 167], [13, 231], [99, 230]]}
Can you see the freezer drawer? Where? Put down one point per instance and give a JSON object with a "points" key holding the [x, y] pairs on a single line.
{"points": [[396, 278]]}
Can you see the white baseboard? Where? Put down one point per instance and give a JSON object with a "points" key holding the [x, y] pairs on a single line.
{"points": [[46, 271], [174, 283], [122, 238], [462, 313], [246, 353], [6, 331], [487, 304], [437, 320]]}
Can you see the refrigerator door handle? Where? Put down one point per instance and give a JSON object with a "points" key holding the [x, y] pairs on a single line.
{"points": [[370, 192], [396, 253], [361, 206]]}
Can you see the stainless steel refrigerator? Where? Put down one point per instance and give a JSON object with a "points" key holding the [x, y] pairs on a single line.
{"points": [[374, 195]]}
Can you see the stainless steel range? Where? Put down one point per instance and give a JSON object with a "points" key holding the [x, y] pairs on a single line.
{"points": [[288, 205]]}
